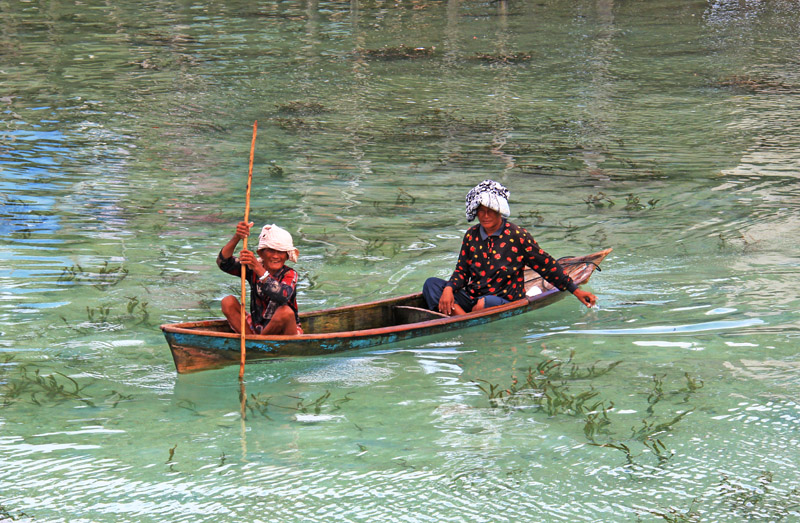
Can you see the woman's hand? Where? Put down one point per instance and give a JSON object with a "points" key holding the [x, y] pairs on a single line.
{"points": [[447, 303], [585, 297]]}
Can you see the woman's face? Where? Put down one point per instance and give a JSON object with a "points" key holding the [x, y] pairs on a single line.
{"points": [[273, 260], [489, 218]]}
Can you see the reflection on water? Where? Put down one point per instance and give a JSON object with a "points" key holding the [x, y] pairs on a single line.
{"points": [[666, 329], [665, 130]]}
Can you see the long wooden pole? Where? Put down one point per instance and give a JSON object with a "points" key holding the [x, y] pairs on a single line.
{"points": [[244, 269]]}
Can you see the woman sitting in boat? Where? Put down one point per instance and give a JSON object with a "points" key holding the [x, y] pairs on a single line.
{"points": [[491, 266], [273, 285]]}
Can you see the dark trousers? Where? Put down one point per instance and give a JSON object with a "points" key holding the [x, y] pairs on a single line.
{"points": [[432, 292]]}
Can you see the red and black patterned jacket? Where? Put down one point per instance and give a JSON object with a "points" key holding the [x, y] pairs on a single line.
{"points": [[496, 264]]}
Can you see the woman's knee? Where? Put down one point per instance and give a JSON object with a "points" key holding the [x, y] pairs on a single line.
{"points": [[432, 291], [432, 284]]}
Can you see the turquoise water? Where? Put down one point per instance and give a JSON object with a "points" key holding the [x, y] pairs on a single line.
{"points": [[666, 130]]}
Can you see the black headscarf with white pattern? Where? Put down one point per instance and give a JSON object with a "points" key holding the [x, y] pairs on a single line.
{"points": [[490, 194]]}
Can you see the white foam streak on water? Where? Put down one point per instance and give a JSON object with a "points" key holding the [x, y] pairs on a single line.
{"points": [[662, 329], [86, 430]]}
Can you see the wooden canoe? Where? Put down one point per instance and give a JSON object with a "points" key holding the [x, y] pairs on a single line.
{"points": [[204, 345]]}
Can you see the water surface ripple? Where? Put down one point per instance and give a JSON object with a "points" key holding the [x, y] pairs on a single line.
{"points": [[664, 129]]}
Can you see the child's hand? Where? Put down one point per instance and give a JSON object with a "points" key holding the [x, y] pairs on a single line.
{"points": [[248, 258]]}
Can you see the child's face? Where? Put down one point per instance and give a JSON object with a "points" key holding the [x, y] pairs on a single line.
{"points": [[273, 260]]}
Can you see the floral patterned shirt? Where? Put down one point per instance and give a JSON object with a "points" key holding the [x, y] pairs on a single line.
{"points": [[265, 295], [496, 264]]}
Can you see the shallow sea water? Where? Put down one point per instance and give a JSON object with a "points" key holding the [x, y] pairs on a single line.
{"points": [[666, 130]]}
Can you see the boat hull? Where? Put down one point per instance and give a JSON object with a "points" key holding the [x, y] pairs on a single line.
{"points": [[210, 344]]}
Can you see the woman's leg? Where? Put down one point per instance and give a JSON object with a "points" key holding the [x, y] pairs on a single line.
{"points": [[489, 301], [432, 292], [479, 305]]}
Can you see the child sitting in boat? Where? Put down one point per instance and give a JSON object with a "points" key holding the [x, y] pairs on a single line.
{"points": [[273, 285]]}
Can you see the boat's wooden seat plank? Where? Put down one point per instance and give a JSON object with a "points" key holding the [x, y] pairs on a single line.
{"points": [[405, 314]]}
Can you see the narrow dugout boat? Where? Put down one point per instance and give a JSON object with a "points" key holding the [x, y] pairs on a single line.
{"points": [[204, 345]]}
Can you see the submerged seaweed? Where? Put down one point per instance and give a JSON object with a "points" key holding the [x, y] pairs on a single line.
{"points": [[399, 52], [758, 84], [301, 108], [503, 58], [546, 386]]}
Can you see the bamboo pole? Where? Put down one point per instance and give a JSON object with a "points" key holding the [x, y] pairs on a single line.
{"points": [[244, 269]]}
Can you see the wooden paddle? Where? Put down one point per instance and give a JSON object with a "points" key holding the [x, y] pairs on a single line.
{"points": [[244, 269]]}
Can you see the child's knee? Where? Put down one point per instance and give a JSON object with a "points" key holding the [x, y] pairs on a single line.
{"points": [[285, 312], [229, 302]]}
